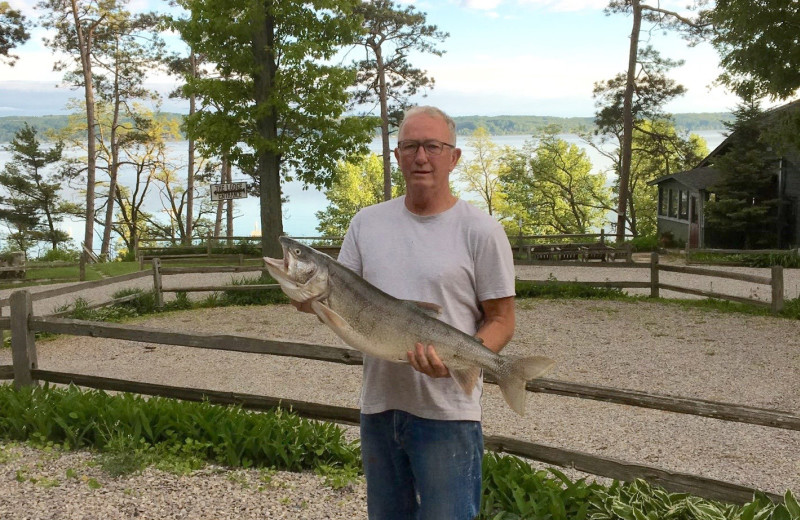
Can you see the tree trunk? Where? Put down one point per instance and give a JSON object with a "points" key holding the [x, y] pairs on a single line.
{"points": [[387, 158], [229, 214], [85, 45], [112, 171], [218, 219], [268, 167], [627, 122], [190, 168]]}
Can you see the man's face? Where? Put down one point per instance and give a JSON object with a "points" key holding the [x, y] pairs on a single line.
{"points": [[421, 169]]}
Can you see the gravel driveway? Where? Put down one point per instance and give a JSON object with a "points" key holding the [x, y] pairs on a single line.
{"points": [[648, 346]]}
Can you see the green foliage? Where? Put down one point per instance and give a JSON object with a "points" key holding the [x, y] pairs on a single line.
{"points": [[33, 206], [757, 44], [514, 490], [568, 291], [278, 102], [549, 185], [743, 210], [358, 183], [261, 297], [13, 32], [120, 424], [483, 172], [60, 255], [644, 243]]}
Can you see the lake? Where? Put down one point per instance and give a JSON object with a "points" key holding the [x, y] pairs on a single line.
{"points": [[299, 214]]}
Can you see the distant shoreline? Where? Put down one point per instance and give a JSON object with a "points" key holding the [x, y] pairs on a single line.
{"points": [[495, 125]]}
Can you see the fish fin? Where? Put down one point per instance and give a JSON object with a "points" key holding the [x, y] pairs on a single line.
{"points": [[467, 378], [343, 329], [514, 372], [428, 308]]}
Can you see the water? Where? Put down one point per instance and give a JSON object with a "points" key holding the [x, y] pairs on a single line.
{"points": [[299, 214]]}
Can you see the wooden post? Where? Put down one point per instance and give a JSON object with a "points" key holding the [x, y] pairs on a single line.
{"points": [[777, 288], [157, 283], [241, 258], [82, 267], [141, 261], [602, 237], [23, 346], [654, 283]]}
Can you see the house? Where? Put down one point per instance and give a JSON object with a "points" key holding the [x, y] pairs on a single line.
{"points": [[682, 196]]}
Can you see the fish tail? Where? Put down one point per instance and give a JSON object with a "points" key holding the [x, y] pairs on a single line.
{"points": [[514, 372]]}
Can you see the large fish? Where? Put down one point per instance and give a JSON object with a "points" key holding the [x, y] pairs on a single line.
{"points": [[385, 327]]}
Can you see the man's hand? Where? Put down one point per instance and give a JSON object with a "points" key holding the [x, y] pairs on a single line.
{"points": [[424, 359]]}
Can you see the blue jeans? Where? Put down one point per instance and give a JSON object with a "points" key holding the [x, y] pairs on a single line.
{"points": [[421, 469]]}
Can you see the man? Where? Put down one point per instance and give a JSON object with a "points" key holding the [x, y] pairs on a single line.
{"points": [[421, 437]]}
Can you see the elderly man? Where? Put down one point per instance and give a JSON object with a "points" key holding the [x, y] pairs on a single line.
{"points": [[421, 436]]}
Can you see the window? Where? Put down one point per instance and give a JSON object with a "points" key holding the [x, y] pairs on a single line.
{"points": [[673, 203], [663, 201], [684, 205]]}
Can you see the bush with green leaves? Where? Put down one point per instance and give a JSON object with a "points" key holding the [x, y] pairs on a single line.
{"points": [[230, 435], [530, 290], [255, 297], [644, 243]]}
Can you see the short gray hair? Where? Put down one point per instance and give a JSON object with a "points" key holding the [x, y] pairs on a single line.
{"points": [[433, 112]]}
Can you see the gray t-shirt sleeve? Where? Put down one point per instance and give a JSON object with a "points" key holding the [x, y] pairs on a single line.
{"points": [[349, 255], [494, 265]]}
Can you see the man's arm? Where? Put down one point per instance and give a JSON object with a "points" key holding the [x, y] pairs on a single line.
{"points": [[496, 332]]}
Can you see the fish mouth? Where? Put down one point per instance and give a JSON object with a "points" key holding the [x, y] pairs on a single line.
{"points": [[277, 263]]}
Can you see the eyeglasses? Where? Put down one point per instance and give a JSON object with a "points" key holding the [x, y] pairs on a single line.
{"points": [[432, 147]]}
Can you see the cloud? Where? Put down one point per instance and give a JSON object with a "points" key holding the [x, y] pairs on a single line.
{"points": [[481, 5], [566, 5]]}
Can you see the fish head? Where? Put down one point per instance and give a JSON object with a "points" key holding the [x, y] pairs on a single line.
{"points": [[302, 272]]}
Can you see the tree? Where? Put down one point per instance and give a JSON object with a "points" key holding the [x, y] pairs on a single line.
{"points": [[550, 188], [743, 211], [188, 67], [33, 206], [358, 183], [126, 48], [481, 174], [658, 150], [391, 32], [13, 32], [75, 23], [757, 44], [652, 90], [279, 105], [147, 159], [659, 17]]}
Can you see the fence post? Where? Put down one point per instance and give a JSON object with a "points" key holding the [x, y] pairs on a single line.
{"points": [[141, 261], [82, 267], [777, 288], [602, 237], [23, 346], [241, 258], [654, 283], [157, 282]]}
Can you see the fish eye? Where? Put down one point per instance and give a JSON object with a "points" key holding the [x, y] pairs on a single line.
{"points": [[297, 251]]}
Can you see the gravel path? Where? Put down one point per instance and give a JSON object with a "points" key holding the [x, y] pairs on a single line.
{"points": [[644, 346]]}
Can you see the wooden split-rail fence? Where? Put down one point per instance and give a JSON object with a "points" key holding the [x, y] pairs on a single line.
{"points": [[25, 371]]}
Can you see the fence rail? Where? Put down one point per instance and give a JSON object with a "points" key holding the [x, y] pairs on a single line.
{"points": [[25, 371]]}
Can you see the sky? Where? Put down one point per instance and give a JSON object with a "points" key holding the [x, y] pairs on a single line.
{"points": [[502, 57]]}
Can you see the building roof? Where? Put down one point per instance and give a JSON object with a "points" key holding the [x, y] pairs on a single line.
{"points": [[703, 176], [698, 178]]}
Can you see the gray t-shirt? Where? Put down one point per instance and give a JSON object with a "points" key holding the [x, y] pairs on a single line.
{"points": [[454, 259]]}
